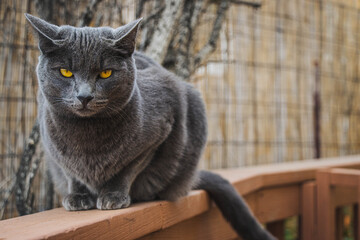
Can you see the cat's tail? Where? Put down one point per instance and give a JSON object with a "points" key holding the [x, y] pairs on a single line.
{"points": [[232, 206]]}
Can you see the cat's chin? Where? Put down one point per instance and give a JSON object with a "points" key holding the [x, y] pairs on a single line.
{"points": [[84, 112]]}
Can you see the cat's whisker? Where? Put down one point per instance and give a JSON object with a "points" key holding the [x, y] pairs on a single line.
{"points": [[57, 100], [118, 111], [121, 112], [102, 101]]}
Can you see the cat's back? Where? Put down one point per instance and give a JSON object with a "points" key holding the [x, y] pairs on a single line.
{"points": [[153, 77], [165, 95], [160, 87]]}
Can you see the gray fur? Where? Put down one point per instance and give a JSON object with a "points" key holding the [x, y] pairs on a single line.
{"points": [[137, 137]]}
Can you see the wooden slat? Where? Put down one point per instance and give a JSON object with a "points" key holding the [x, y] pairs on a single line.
{"points": [[356, 221], [308, 211], [128, 223], [284, 201], [210, 225], [345, 177], [357, 214], [142, 219], [342, 196], [325, 226], [335, 187], [277, 229], [339, 221], [275, 204]]}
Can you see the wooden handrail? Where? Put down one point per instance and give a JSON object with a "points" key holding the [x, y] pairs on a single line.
{"points": [[273, 192]]}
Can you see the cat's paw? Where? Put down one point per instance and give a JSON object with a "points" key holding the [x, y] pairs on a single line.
{"points": [[113, 200], [78, 201]]}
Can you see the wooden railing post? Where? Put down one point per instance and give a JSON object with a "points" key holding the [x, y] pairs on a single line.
{"points": [[325, 213], [308, 211], [327, 183], [357, 213]]}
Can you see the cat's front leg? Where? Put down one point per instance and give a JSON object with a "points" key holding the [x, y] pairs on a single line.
{"points": [[116, 192], [79, 198], [113, 199]]}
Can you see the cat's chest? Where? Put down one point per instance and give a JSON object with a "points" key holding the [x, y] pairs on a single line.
{"points": [[95, 152], [87, 141]]}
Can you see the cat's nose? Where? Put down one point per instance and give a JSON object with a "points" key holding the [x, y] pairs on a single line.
{"points": [[85, 99]]}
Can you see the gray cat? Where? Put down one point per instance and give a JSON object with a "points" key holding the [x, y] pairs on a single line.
{"points": [[119, 128]]}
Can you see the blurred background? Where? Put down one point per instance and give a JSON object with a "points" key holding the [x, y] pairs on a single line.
{"points": [[280, 79]]}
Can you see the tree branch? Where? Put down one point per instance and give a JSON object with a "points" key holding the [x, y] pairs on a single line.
{"points": [[7, 196], [210, 46], [139, 8], [21, 193], [247, 3], [148, 25], [198, 8], [154, 14], [164, 29], [88, 15], [187, 24]]}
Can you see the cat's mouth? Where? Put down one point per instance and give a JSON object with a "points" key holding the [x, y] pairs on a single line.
{"points": [[85, 112], [90, 109]]}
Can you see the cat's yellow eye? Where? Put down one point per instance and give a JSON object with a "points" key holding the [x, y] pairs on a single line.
{"points": [[65, 72], [106, 73]]}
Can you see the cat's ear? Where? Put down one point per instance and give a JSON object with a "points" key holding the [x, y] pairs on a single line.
{"points": [[125, 37], [47, 34]]}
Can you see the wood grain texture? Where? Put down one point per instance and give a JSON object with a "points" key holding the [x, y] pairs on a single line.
{"points": [[277, 229], [308, 211], [273, 193], [268, 205], [344, 177], [325, 213]]}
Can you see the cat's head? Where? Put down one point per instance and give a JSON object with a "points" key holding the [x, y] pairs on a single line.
{"points": [[85, 71]]}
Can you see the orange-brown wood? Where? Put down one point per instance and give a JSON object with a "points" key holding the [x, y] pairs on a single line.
{"points": [[342, 196], [339, 222], [211, 225], [357, 213], [128, 223], [345, 177], [277, 229], [356, 221], [336, 187], [308, 211], [267, 188], [325, 213], [275, 204]]}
